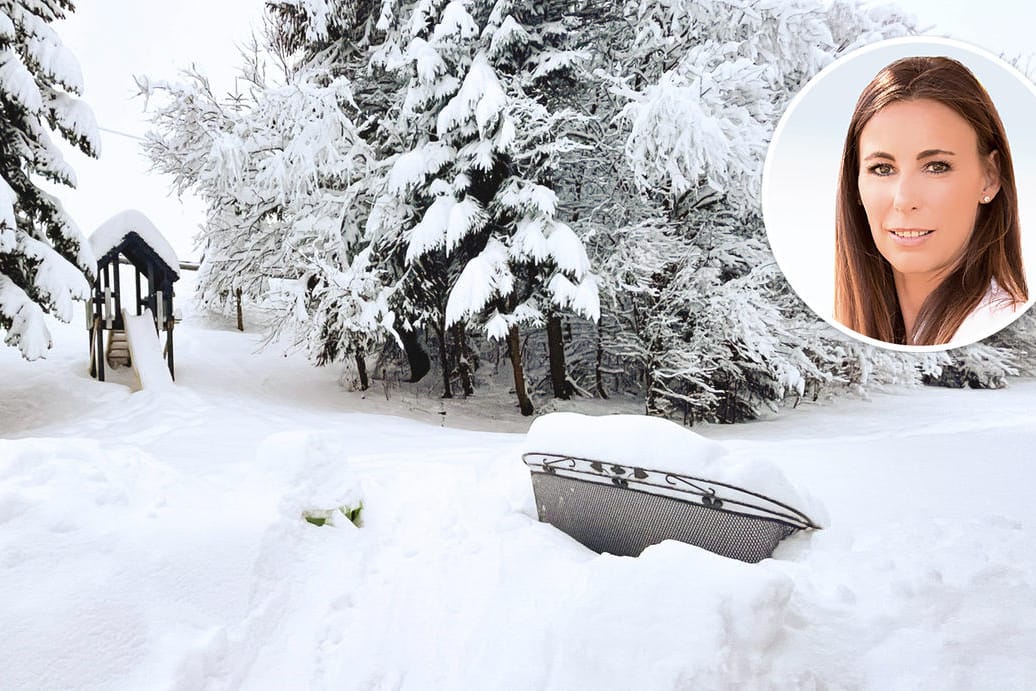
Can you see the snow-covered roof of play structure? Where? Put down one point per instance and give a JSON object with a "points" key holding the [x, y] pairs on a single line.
{"points": [[113, 231]]}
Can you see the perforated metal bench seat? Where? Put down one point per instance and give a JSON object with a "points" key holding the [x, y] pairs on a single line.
{"points": [[622, 509]]}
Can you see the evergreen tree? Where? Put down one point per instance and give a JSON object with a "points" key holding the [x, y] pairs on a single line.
{"points": [[467, 204], [45, 262]]}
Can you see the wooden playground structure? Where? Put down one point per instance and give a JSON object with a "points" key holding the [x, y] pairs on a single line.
{"points": [[129, 238]]}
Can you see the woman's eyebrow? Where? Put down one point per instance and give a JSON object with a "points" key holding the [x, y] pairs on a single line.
{"points": [[927, 153], [934, 152], [880, 154]]}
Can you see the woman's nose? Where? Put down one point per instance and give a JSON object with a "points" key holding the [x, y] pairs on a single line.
{"points": [[907, 194]]}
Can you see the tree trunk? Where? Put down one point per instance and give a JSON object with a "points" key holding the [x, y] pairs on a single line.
{"points": [[463, 359], [650, 395], [240, 314], [597, 367], [514, 345], [556, 355], [416, 358], [361, 367], [444, 361]]}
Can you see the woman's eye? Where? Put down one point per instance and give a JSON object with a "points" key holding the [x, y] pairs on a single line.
{"points": [[937, 167], [880, 169]]}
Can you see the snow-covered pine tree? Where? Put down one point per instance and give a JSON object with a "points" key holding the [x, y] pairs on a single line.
{"points": [[468, 200], [706, 83], [45, 262]]}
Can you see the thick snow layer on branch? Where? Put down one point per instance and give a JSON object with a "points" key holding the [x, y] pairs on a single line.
{"points": [[559, 60], [56, 279], [28, 331], [17, 82], [68, 229], [658, 444], [587, 300], [47, 157], [499, 324], [529, 240], [319, 14], [567, 250], [725, 99], [110, 233], [426, 58], [509, 34], [455, 21], [419, 18], [562, 290], [6, 28], [76, 116], [431, 231], [483, 277], [526, 197], [54, 59], [480, 95], [7, 220], [413, 167], [465, 217]]}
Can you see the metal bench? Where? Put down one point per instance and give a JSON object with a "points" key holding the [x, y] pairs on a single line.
{"points": [[622, 509]]}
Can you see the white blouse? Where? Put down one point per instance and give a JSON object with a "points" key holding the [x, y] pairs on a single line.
{"points": [[996, 310]]}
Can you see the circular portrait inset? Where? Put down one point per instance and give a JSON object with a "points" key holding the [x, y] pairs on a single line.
{"points": [[891, 194]]}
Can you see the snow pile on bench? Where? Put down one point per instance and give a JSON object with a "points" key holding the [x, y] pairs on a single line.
{"points": [[658, 444]]}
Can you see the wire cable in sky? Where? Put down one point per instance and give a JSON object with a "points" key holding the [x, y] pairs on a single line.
{"points": [[122, 134]]}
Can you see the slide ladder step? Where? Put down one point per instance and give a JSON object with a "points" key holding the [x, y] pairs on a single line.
{"points": [[118, 349]]}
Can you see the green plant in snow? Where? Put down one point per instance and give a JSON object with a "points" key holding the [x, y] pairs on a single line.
{"points": [[329, 516]]}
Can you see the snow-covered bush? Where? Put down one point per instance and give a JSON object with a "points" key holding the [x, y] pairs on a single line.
{"points": [[284, 173]]}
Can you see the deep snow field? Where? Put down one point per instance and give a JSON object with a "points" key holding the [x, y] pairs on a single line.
{"points": [[154, 540]]}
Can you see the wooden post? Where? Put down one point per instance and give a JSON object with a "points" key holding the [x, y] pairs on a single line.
{"points": [[108, 314], [90, 328], [159, 310], [100, 351], [93, 355], [240, 316], [118, 293], [137, 272], [151, 288], [169, 348]]}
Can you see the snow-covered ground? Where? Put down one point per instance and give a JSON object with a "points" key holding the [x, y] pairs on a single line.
{"points": [[155, 539]]}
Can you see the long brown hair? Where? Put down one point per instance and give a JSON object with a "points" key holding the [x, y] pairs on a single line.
{"points": [[865, 294]]}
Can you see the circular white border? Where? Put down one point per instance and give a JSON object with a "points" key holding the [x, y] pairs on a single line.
{"points": [[809, 267]]}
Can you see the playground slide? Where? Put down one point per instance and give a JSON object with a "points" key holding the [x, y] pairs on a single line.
{"points": [[146, 350]]}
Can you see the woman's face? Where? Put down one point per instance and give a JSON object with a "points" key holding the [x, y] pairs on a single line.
{"points": [[921, 181]]}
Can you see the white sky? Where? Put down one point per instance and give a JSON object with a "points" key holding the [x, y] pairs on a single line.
{"points": [[116, 39]]}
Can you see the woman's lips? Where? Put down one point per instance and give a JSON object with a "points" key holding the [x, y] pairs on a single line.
{"points": [[910, 237]]}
